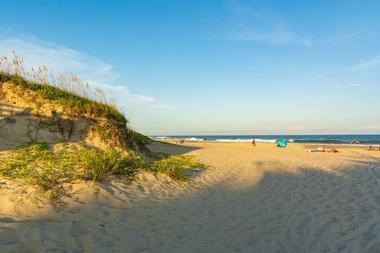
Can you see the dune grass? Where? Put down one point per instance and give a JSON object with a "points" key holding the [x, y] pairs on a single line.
{"points": [[176, 166], [66, 88], [49, 168], [70, 100], [139, 138]]}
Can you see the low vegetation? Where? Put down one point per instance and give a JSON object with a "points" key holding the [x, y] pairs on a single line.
{"points": [[40, 165], [65, 89], [49, 168], [75, 103], [177, 166], [139, 138]]}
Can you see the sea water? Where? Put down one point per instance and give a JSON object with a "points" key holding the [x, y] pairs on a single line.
{"points": [[306, 139]]}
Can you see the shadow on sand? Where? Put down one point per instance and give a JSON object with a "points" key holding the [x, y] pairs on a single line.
{"points": [[306, 211], [170, 148]]}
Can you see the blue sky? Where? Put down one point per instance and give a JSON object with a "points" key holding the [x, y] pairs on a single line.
{"points": [[217, 66]]}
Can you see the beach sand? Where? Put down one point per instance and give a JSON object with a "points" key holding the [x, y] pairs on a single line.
{"points": [[252, 199]]}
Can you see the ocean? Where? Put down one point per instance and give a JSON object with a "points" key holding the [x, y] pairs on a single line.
{"points": [[306, 139]]}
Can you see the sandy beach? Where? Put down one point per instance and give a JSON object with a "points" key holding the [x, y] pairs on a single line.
{"points": [[251, 199]]}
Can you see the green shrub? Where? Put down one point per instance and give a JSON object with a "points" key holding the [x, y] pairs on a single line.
{"points": [[175, 166], [139, 138], [48, 169], [39, 165], [99, 165]]}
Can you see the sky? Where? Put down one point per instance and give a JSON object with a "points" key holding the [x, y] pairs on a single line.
{"points": [[213, 66]]}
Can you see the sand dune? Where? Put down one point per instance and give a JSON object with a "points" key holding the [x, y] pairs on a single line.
{"points": [[261, 199]]}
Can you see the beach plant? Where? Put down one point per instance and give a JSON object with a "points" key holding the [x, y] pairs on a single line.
{"points": [[41, 165], [65, 89], [176, 166], [50, 168], [139, 138], [99, 165]]}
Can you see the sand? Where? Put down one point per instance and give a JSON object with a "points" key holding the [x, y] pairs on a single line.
{"points": [[252, 199]]}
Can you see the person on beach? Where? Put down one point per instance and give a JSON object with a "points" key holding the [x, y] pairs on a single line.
{"points": [[253, 142], [372, 148]]}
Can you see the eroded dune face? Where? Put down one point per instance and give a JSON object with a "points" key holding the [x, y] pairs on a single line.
{"points": [[26, 117]]}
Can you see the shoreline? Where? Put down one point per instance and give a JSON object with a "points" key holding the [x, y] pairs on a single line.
{"points": [[238, 204], [313, 144]]}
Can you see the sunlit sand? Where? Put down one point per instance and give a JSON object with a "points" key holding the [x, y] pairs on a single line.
{"points": [[252, 199]]}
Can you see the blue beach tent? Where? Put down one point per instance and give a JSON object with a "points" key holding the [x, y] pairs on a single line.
{"points": [[282, 143]]}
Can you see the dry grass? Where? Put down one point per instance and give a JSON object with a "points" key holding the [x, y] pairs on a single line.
{"points": [[64, 88], [49, 169]]}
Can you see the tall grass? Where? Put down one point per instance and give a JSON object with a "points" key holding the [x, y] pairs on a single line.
{"points": [[64, 88], [49, 169]]}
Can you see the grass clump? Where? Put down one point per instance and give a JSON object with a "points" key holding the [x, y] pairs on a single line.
{"points": [[99, 165], [139, 138], [48, 169], [176, 166]]}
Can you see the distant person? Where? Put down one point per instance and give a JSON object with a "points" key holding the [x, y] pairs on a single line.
{"points": [[373, 148], [253, 142]]}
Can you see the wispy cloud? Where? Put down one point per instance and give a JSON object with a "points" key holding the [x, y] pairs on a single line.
{"points": [[258, 26], [340, 86], [337, 38], [367, 65], [36, 52], [373, 127], [299, 127], [279, 35]]}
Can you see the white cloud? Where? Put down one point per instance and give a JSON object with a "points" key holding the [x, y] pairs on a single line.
{"points": [[369, 64], [277, 36], [337, 38], [345, 85], [373, 127], [90, 69], [299, 127], [251, 24]]}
